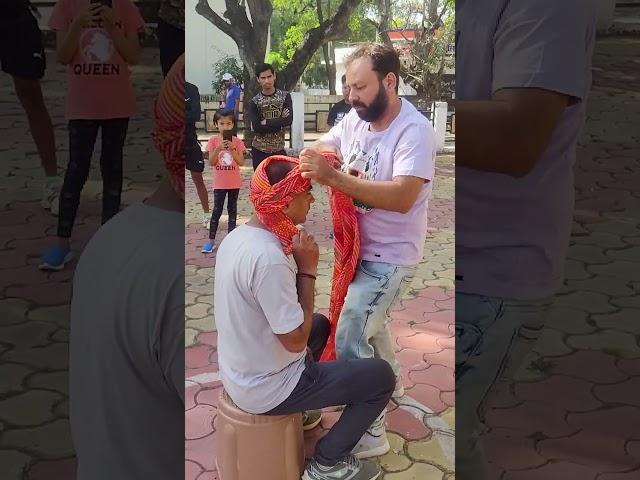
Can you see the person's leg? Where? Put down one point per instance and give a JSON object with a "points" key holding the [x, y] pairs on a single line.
{"points": [[29, 93], [363, 385], [82, 139], [201, 189], [361, 328], [218, 206], [492, 335], [320, 329], [114, 134], [232, 207], [171, 43]]}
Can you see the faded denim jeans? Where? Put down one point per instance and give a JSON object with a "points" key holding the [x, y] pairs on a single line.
{"points": [[493, 336], [363, 330]]}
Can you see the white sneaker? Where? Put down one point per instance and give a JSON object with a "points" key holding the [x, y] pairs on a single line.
{"points": [[374, 442]]}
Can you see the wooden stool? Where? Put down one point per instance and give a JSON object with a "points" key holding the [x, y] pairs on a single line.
{"points": [[257, 447]]}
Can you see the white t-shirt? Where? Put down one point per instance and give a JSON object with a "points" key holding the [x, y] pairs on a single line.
{"points": [[127, 349], [256, 298], [512, 234], [406, 147]]}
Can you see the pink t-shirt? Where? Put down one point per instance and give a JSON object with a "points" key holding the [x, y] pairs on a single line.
{"points": [[99, 83], [226, 174]]}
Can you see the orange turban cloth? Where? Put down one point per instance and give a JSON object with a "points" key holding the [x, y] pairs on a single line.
{"points": [[168, 135], [269, 202]]}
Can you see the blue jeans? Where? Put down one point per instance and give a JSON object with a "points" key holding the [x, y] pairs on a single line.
{"points": [[363, 330], [493, 335]]}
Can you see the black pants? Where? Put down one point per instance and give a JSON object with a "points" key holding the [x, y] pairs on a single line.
{"points": [[258, 156], [218, 205], [82, 140], [171, 43], [363, 385]]}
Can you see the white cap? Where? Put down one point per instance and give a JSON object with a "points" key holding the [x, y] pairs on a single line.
{"points": [[227, 76]]}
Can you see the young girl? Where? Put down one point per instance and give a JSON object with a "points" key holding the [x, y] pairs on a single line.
{"points": [[226, 157], [97, 40]]}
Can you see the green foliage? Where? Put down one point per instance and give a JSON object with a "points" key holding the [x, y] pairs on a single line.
{"points": [[226, 64]]}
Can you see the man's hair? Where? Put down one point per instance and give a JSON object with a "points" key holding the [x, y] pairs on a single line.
{"points": [[383, 58], [344, 78], [223, 113], [263, 67], [276, 171]]}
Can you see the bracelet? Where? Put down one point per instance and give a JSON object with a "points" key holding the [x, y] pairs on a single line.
{"points": [[308, 275]]}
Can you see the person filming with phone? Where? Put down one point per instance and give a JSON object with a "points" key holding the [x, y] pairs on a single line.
{"points": [[226, 156]]}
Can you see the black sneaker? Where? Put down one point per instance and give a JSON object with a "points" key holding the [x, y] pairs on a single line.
{"points": [[350, 468]]}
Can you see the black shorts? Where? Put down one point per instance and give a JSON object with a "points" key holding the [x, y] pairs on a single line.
{"points": [[21, 48], [193, 161]]}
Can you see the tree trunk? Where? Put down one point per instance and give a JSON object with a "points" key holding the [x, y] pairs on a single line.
{"points": [[325, 51]]}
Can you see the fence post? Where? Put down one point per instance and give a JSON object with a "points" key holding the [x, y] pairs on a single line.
{"points": [[297, 127], [440, 123]]}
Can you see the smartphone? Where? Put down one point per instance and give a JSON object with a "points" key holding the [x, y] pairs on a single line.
{"points": [[227, 135]]}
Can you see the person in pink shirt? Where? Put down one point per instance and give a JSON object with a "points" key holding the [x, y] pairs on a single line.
{"points": [[97, 40], [226, 157]]}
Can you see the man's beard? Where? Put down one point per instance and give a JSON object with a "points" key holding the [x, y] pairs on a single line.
{"points": [[373, 112]]}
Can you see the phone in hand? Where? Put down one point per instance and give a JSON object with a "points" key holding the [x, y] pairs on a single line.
{"points": [[227, 135]]}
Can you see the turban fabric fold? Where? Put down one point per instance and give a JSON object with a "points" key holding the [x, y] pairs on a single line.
{"points": [[269, 202], [168, 134]]}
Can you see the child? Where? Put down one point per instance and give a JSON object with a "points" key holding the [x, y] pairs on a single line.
{"points": [[97, 40], [226, 156]]}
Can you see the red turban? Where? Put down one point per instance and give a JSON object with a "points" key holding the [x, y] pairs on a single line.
{"points": [[269, 202], [168, 134]]}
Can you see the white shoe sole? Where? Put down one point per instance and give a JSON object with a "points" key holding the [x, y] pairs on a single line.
{"points": [[56, 268], [307, 477], [398, 393], [374, 452], [313, 425]]}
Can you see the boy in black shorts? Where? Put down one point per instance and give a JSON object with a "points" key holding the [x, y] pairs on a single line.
{"points": [[22, 56], [194, 161]]}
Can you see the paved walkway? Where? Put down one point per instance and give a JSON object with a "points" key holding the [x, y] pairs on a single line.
{"points": [[35, 443], [421, 423], [574, 412]]}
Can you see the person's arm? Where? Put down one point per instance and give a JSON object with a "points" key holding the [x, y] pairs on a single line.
{"points": [[238, 155], [254, 118], [509, 133], [413, 165], [306, 254], [127, 44], [67, 42], [287, 119], [193, 111], [541, 58], [214, 155]]}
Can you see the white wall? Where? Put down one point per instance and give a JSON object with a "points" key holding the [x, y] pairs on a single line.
{"points": [[204, 45]]}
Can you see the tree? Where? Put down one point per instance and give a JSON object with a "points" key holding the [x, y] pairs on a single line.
{"points": [[227, 64], [251, 35]]}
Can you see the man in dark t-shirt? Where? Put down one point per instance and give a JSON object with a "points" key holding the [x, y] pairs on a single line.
{"points": [[340, 109], [270, 113]]}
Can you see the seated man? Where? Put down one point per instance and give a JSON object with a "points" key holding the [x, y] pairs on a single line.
{"points": [[264, 301]]}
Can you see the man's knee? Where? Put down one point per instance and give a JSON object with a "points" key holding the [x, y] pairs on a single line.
{"points": [[378, 372], [321, 324]]}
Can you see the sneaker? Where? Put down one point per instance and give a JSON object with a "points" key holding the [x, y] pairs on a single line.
{"points": [[208, 247], [311, 419], [349, 468], [374, 442], [206, 219], [55, 258], [51, 194], [399, 391]]}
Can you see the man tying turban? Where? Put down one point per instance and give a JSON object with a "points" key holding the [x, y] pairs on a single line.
{"points": [[264, 302], [127, 323]]}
